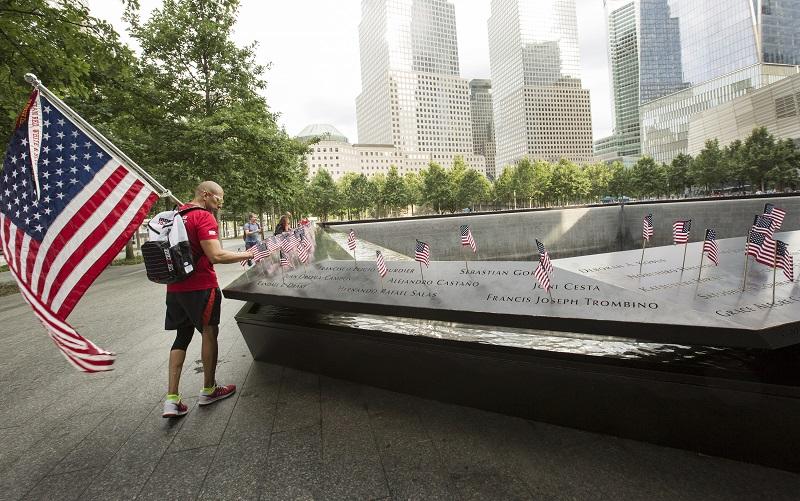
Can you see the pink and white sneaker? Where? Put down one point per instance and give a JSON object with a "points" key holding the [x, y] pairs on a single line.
{"points": [[174, 409], [220, 392]]}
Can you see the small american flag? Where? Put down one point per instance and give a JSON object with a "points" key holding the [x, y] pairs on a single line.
{"points": [[67, 206], [776, 215], [380, 264], [285, 262], [543, 278], [710, 246], [466, 237], [351, 240], [763, 224], [287, 242], [647, 227], [422, 253], [680, 231], [544, 257], [762, 247], [785, 261], [303, 250], [259, 253], [273, 244]]}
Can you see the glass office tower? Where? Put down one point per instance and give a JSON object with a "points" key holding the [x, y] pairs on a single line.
{"points": [[483, 122], [540, 108], [727, 48], [644, 64], [412, 95]]}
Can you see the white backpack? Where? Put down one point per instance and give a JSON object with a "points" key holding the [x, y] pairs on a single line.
{"points": [[168, 254]]}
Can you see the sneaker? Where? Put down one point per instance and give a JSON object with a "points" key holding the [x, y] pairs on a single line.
{"points": [[174, 409], [220, 392]]}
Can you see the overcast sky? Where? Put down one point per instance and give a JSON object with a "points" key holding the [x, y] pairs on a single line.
{"points": [[313, 48]]}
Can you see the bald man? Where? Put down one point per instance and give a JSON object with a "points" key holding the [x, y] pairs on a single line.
{"points": [[194, 303]]}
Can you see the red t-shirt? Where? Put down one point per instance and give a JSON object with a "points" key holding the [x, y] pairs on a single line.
{"points": [[200, 225]]}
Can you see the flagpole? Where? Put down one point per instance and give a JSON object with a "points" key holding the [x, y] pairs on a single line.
{"points": [[685, 246], [464, 252], [641, 261], [98, 137], [744, 284], [420, 270], [774, 271], [702, 255]]}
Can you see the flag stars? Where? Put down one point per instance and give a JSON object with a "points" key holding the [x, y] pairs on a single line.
{"points": [[47, 211], [87, 168], [25, 210], [36, 216], [59, 171], [74, 134], [46, 136], [46, 123], [46, 174], [23, 155], [73, 169], [87, 144], [87, 156], [59, 184], [60, 135], [16, 201], [60, 147], [60, 196], [47, 199], [73, 181], [14, 160], [74, 146], [24, 182], [24, 141], [73, 158], [60, 160], [46, 149], [60, 121], [99, 154], [46, 109], [38, 227], [27, 221]]}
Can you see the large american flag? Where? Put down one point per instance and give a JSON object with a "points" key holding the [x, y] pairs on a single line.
{"points": [[67, 207], [380, 264], [680, 231], [288, 242], [647, 227], [785, 261], [422, 253], [544, 257], [776, 215], [466, 237], [543, 278], [762, 247], [710, 246], [351, 240]]}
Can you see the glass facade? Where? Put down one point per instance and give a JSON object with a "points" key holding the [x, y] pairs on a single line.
{"points": [[412, 95], [541, 110], [727, 48], [483, 122]]}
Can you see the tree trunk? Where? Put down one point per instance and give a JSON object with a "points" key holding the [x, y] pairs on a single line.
{"points": [[129, 249]]}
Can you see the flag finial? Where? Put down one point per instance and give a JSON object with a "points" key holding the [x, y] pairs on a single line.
{"points": [[32, 79]]}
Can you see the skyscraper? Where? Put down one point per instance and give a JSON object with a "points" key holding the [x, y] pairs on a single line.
{"points": [[412, 95], [540, 108], [483, 122], [644, 64], [727, 49]]}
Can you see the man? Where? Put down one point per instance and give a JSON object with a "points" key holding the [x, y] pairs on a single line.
{"points": [[194, 303], [251, 233]]}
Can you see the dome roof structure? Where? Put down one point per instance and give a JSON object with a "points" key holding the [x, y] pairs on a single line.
{"points": [[325, 132]]}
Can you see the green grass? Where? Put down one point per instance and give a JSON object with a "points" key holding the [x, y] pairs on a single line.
{"points": [[8, 288], [3, 267], [126, 262]]}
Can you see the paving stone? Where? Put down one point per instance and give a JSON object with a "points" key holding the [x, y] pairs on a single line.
{"points": [[299, 445], [254, 414], [179, 475], [354, 479], [40, 459], [238, 471], [204, 425], [64, 486]]}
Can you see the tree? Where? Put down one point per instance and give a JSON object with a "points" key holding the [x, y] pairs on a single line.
{"points": [[648, 178], [395, 193], [413, 182], [707, 169], [599, 176], [503, 187], [568, 183], [324, 194], [436, 187], [678, 178], [52, 39], [524, 181], [620, 183], [783, 173], [474, 188]]}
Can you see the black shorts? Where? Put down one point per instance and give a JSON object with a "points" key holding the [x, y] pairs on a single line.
{"points": [[195, 308]]}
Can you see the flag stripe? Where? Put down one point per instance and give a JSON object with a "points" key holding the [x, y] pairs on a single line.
{"points": [[62, 221], [76, 231], [102, 254]]}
